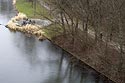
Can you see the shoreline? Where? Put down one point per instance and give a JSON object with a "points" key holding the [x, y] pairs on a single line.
{"points": [[74, 55], [30, 29]]}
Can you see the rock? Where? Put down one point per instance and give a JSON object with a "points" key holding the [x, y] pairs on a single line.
{"points": [[41, 38], [17, 24]]}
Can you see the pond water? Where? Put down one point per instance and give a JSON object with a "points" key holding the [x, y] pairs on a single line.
{"points": [[26, 60]]}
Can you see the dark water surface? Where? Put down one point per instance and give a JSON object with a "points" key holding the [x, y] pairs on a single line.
{"points": [[27, 60]]}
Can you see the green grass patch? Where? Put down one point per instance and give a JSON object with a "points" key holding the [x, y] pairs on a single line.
{"points": [[28, 9], [52, 30]]}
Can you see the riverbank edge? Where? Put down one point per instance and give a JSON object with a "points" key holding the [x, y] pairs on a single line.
{"points": [[74, 55]]}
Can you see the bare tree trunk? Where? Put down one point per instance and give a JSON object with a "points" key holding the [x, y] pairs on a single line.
{"points": [[76, 26], [63, 24], [67, 22], [35, 4]]}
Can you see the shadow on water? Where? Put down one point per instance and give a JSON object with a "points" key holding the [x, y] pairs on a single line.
{"points": [[26, 60]]}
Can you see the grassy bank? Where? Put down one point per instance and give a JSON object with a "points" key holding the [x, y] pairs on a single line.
{"points": [[27, 8], [40, 13], [52, 31]]}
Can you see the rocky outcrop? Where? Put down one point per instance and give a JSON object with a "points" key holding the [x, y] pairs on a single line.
{"points": [[32, 29]]}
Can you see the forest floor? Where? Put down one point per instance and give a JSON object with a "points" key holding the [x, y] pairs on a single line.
{"points": [[93, 55]]}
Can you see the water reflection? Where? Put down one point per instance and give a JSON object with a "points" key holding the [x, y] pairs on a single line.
{"points": [[26, 60], [51, 62], [6, 9]]}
